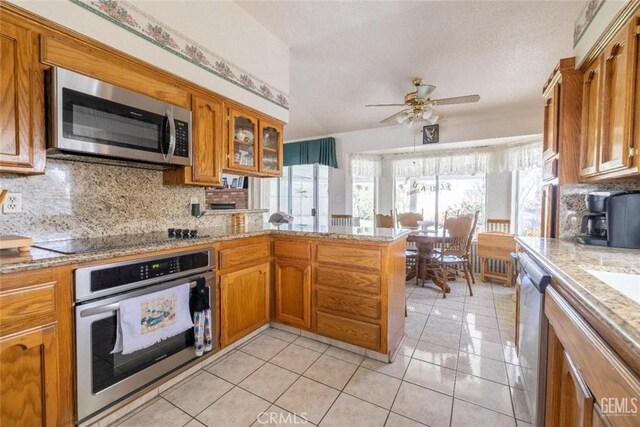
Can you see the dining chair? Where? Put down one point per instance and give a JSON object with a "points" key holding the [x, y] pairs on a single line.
{"points": [[455, 250], [384, 221], [409, 219], [345, 220]]}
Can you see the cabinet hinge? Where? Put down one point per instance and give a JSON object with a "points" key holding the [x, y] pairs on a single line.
{"points": [[637, 30], [633, 151], [228, 118]]}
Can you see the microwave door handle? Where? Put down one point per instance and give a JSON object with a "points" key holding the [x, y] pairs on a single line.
{"points": [[172, 135]]}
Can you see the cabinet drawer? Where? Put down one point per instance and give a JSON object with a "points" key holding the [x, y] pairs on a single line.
{"points": [[349, 256], [27, 303], [292, 249], [354, 305], [245, 254], [348, 330], [348, 279]]}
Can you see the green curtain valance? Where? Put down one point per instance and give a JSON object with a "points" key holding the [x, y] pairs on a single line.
{"points": [[321, 151]]}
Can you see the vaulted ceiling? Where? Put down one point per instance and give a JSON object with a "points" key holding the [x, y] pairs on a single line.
{"points": [[345, 54]]}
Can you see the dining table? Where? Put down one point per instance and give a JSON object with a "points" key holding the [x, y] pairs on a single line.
{"points": [[426, 241]]}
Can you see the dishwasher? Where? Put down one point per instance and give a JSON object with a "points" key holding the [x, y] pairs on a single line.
{"points": [[533, 335]]}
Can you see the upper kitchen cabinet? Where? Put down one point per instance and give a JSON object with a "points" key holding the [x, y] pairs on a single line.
{"points": [[270, 148], [243, 141], [22, 133], [611, 111], [591, 108], [254, 144], [563, 96], [207, 145]]}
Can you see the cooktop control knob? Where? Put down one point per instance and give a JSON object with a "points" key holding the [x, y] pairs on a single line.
{"points": [[172, 232], [193, 233], [185, 232]]}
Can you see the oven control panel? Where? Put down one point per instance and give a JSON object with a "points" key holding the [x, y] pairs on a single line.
{"points": [[114, 276]]}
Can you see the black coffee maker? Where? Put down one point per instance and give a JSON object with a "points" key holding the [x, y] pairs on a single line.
{"points": [[613, 219], [594, 224]]}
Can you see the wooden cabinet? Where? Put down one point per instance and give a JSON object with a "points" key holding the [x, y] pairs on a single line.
{"points": [[549, 209], [293, 293], [563, 95], [591, 108], [243, 141], [244, 302], [550, 136], [36, 364], [617, 79], [207, 145], [610, 111], [293, 282], [270, 148], [244, 269], [588, 384], [22, 130], [254, 144]]}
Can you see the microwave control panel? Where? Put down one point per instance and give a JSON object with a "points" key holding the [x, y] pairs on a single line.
{"points": [[182, 138]]}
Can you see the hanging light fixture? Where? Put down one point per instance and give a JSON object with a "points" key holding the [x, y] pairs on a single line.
{"points": [[401, 118]]}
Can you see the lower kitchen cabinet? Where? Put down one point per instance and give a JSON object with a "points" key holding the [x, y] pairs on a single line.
{"points": [[29, 371], [588, 384], [293, 293], [36, 364], [244, 302]]}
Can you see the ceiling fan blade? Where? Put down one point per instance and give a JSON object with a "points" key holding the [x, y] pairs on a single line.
{"points": [[384, 105], [424, 91], [393, 117], [456, 100]]}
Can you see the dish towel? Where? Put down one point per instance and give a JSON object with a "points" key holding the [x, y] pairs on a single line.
{"points": [[201, 318], [147, 319]]}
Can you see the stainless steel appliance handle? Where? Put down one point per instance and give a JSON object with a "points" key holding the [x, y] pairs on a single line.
{"points": [[172, 135], [114, 306]]}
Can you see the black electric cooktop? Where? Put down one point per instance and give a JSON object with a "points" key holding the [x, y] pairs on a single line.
{"points": [[92, 244]]}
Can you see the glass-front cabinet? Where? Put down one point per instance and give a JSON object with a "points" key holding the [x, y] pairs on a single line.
{"points": [[243, 141], [270, 148]]}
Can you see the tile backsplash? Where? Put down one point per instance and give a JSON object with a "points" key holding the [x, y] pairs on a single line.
{"points": [[572, 205], [75, 199]]}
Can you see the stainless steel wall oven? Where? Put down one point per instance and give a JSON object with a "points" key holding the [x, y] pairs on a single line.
{"points": [[102, 378]]}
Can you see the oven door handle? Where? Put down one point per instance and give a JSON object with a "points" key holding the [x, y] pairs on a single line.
{"points": [[115, 306]]}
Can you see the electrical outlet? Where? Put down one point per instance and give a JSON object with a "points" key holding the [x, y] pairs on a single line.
{"points": [[13, 204]]}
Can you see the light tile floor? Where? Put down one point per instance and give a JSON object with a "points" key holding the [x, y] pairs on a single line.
{"points": [[458, 367]]}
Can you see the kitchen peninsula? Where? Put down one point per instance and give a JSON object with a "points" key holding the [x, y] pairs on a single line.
{"points": [[337, 283]]}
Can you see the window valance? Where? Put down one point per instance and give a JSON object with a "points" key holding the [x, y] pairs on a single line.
{"points": [[470, 161], [321, 151], [366, 165]]}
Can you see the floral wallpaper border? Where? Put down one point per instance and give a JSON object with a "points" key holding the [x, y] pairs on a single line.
{"points": [[147, 27], [584, 19]]}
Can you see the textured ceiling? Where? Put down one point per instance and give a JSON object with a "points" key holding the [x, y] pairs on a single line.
{"points": [[347, 54]]}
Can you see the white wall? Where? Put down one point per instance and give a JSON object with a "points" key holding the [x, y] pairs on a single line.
{"points": [[221, 26], [452, 130]]}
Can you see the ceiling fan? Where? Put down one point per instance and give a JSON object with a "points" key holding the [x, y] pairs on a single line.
{"points": [[420, 105]]}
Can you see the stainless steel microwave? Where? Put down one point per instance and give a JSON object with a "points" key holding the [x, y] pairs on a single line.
{"points": [[89, 116]]}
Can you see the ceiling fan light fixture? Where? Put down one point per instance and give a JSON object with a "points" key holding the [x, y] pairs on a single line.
{"points": [[433, 119], [427, 113], [409, 123], [401, 118]]}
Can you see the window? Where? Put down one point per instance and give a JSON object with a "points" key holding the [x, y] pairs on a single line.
{"points": [[528, 202], [433, 196], [303, 192], [363, 200]]}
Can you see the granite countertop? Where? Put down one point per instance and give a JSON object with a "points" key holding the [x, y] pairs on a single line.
{"points": [[567, 261], [11, 261]]}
